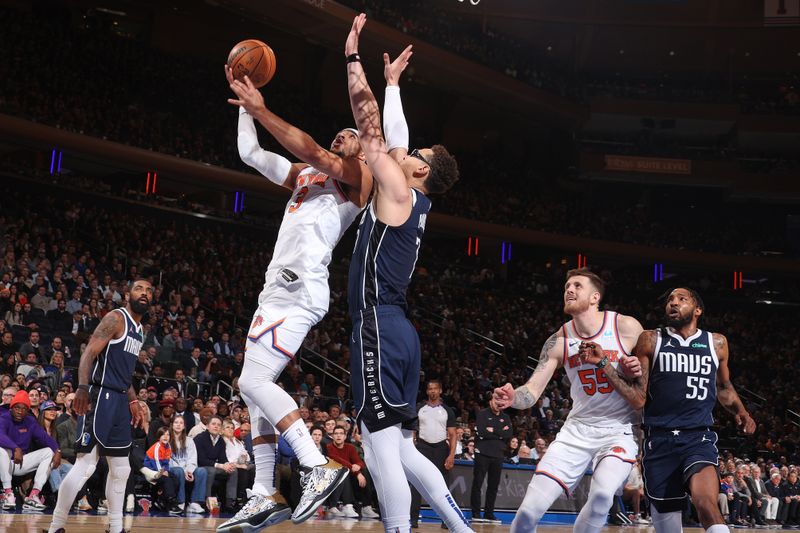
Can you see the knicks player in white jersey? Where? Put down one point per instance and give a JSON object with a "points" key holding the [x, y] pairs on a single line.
{"points": [[599, 430], [329, 189]]}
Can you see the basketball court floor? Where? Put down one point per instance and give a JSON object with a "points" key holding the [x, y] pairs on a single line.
{"points": [[90, 523]]}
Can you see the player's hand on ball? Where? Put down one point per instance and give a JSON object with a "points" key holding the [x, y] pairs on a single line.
{"points": [[504, 396], [745, 423], [247, 95], [393, 69], [630, 367], [351, 45], [590, 352]]}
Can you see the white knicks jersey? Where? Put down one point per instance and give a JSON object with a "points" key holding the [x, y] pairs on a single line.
{"points": [[595, 402], [316, 217]]}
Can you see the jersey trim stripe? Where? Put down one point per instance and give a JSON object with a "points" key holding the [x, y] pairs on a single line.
{"points": [[602, 327], [618, 336], [623, 459], [371, 290], [554, 478], [566, 349], [274, 329], [340, 190]]}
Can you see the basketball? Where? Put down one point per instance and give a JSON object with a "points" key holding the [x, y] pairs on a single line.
{"points": [[252, 58]]}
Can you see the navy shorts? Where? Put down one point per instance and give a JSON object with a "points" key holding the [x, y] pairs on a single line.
{"points": [[384, 366], [670, 460], [107, 424]]}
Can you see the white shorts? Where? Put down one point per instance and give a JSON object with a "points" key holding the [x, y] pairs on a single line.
{"points": [[281, 329], [577, 446]]}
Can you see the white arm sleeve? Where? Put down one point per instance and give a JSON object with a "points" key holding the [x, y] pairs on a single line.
{"points": [[395, 127], [273, 166]]}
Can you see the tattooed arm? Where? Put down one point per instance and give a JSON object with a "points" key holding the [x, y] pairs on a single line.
{"points": [[525, 396], [726, 394], [634, 390], [109, 328]]}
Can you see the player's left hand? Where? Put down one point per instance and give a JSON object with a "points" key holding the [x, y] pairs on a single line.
{"points": [[393, 69], [630, 366], [56, 460], [351, 45], [590, 352], [449, 462], [745, 423], [248, 96]]}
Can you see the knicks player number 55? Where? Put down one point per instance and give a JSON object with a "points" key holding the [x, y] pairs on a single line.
{"points": [[594, 380]]}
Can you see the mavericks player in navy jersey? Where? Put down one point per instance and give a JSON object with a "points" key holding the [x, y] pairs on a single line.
{"points": [[385, 350], [106, 404], [684, 373]]}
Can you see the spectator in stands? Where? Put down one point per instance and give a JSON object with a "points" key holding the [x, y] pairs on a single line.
{"points": [[212, 456], [223, 347], [469, 451], [726, 497], [742, 498], [14, 317], [200, 426], [41, 300], [494, 428], [180, 383], [47, 419], [773, 489], [166, 408], [790, 494], [182, 411], [158, 458], [237, 454], [31, 368], [32, 346], [55, 374], [758, 494], [8, 346], [57, 345], [75, 304], [8, 395], [183, 467], [60, 317], [20, 432], [346, 454], [633, 492]]}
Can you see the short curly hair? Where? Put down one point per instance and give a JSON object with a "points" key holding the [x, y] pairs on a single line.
{"points": [[443, 171]]}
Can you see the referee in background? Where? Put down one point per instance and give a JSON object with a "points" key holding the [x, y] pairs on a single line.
{"points": [[436, 439]]}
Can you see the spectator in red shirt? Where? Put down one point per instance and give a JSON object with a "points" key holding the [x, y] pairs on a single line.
{"points": [[347, 455]]}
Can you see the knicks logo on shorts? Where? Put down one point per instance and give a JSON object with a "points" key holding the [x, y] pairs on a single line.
{"points": [[618, 449]]}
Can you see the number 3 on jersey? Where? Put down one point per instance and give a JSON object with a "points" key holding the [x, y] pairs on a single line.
{"points": [[594, 380], [298, 200]]}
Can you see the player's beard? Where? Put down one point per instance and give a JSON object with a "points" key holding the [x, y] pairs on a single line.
{"points": [[678, 321], [138, 307], [575, 307]]}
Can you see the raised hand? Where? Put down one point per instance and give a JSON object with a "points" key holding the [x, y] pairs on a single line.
{"points": [[504, 396], [393, 69], [247, 95], [630, 366], [351, 45]]}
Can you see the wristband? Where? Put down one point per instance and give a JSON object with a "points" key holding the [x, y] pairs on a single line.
{"points": [[353, 58], [602, 362], [84, 387], [133, 402]]}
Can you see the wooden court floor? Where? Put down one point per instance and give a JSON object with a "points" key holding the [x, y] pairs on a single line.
{"points": [[36, 522]]}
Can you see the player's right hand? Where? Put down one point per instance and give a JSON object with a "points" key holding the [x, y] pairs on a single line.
{"points": [[81, 402], [247, 95], [504, 396], [631, 367], [351, 45], [393, 69], [18, 456]]}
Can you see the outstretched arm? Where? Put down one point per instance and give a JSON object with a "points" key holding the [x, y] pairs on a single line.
{"points": [[392, 201], [726, 394], [634, 390], [395, 126], [526, 396], [298, 142]]}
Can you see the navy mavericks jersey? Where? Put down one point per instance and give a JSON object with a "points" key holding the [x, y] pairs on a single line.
{"points": [[683, 381], [114, 366], [384, 257]]}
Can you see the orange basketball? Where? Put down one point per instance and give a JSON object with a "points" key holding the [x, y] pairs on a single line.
{"points": [[254, 59]]}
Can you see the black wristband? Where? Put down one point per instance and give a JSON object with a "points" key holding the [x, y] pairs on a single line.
{"points": [[84, 387], [353, 58]]}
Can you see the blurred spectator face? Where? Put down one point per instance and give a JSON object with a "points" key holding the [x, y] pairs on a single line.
{"points": [[151, 352], [56, 344], [775, 478], [170, 394], [196, 353], [157, 371], [214, 426], [330, 425], [142, 396], [197, 405], [30, 358], [524, 452], [244, 430], [62, 305], [341, 391], [334, 411], [304, 413], [227, 429], [180, 404], [20, 411], [212, 406], [35, 397], [8, 395], [178, 425], [471, 447], [317, 390], [540, 445], [513, 443], [34, 338], [8, 338], [316, 435], [338, 436], [152, 395], [236, 413]]}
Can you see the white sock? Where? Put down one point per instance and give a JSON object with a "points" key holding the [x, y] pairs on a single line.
{"points": [[119, 469], [718, 528], [608, 476], [75, 479], [667, 522], [427, 479], [298, 437], [382, 455], [264, 457]]}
